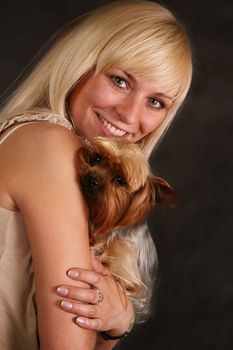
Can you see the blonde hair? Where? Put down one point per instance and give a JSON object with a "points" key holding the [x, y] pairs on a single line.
{"points": [[131, 255], [138, 36]]}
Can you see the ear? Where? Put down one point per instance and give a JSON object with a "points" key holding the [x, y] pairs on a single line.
{"points": [[84, 151], [83, 154], [164, 193], [155, 191], [139, 203]]}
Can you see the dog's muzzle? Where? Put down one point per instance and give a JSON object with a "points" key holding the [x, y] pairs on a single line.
{"points": [[91, 184]]}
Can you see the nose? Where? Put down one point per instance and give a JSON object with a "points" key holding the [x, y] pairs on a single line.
{"points": [[91, 184], [130, 110]]}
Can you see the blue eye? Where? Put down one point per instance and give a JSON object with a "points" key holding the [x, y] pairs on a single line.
{"points": [[120, 82], [154, 102]]}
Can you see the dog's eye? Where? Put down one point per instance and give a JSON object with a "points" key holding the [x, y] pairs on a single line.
{"points": [[119, 181], [95, 159]]}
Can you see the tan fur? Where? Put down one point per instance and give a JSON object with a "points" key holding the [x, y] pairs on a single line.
{"points": [[118, 185]]}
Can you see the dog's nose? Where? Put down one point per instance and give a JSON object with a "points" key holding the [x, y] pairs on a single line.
{"points": [[90, 183]]}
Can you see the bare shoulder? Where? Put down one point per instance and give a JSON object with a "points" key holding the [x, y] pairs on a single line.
{"points": [[45, 137], [33, 152], [36, 151]]}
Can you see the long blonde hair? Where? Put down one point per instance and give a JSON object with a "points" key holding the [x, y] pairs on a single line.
{"points": [[140, 36], [137, 36]]}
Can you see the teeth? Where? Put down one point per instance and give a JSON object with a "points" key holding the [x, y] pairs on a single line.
{"points": [[111, 128]]}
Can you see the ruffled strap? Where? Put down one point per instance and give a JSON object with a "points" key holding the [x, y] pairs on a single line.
{"points": [[44, 116]]}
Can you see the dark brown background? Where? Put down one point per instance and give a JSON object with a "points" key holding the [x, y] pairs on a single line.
{"points": [[194, 298]]}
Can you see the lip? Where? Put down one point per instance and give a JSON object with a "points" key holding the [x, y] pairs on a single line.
{"points": [[107, 132]]}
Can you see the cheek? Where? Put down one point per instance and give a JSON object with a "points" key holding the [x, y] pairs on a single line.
{"points": [[153, 122], [103, 96]]}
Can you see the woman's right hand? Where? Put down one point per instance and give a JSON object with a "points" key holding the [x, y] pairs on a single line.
{"points": [[114, 313]]}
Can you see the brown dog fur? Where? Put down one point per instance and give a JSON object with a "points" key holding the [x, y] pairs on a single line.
{"points": [[118, 185]]}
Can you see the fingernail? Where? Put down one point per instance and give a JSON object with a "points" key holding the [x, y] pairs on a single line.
{"points": [[62, 291], [72, 274], [80, 320], [66, 305]]}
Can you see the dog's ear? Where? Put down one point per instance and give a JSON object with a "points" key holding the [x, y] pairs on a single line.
{"points": [[155, 190], [139, 203], [84, 151], [164, 193], [83, 154]]}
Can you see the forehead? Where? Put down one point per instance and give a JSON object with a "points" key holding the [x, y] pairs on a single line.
{"points": [[149, 84]]}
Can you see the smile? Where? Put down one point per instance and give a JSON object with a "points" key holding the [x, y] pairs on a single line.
{"points": [[110, 127]]}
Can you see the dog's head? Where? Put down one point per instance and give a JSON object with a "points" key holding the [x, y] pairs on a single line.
{"points": [[117, 184]]}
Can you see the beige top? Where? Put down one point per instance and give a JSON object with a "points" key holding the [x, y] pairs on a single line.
{"points": [[18, 324]]}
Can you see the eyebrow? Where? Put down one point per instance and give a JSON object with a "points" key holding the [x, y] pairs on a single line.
{"points": [[160, 94]]}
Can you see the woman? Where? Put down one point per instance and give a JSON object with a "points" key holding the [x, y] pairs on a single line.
{"points": [[121, 71]]}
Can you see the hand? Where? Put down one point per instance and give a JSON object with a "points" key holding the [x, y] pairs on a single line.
{"points": [[113, 314]]}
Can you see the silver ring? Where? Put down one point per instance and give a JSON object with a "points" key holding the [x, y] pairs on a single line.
{"points": [[101, 297]]}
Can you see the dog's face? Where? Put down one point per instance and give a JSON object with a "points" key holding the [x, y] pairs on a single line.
{"points": [[117, 184]]}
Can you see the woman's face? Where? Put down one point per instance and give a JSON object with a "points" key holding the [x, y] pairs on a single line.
{"points": [[115, 103]]}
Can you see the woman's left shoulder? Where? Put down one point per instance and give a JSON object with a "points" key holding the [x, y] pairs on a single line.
{"points": [[40, 153], [35, 142], [49, 135]]}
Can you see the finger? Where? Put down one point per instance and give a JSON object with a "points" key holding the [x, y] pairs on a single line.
{"points": [[79, 294], [95, 263], [98, 267], [88, 276], [86, 310], [88, 323]]}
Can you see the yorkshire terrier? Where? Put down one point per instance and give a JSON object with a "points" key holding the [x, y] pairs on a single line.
{"points": [[118, 185]]}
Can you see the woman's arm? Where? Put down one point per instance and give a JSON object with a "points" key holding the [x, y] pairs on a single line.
{"points": [[47, 193]]}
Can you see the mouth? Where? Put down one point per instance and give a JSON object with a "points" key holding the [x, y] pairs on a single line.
{"points": [[111, 128]]}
